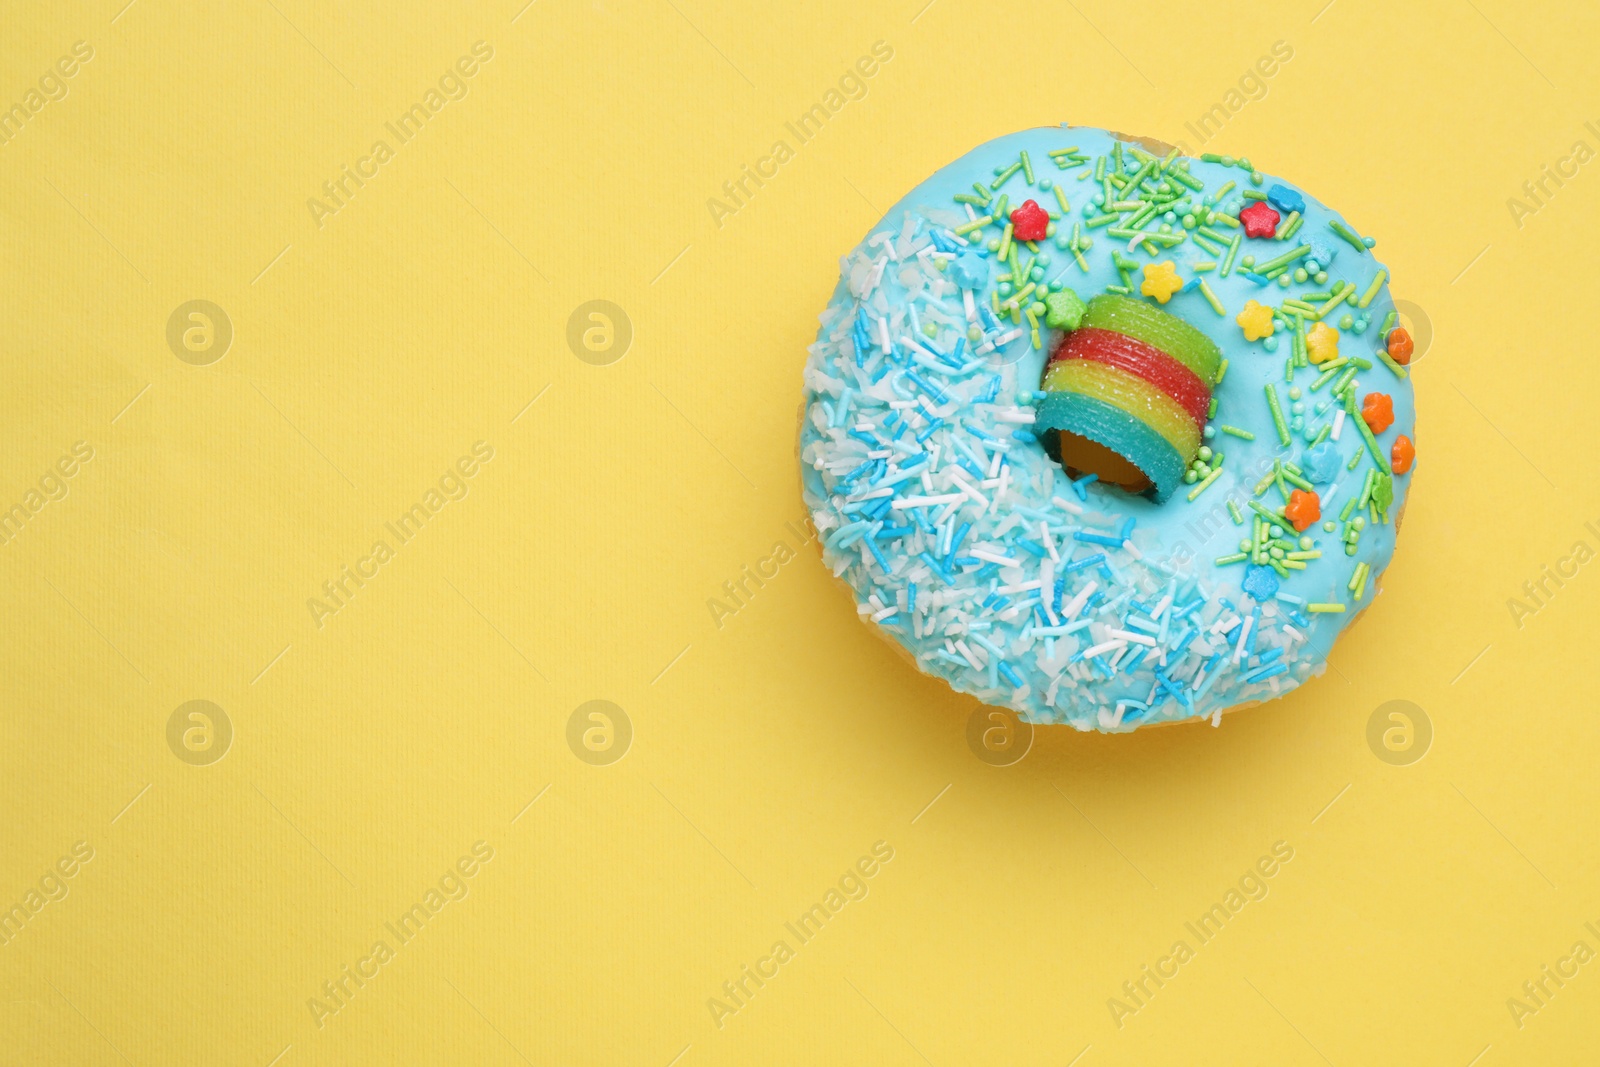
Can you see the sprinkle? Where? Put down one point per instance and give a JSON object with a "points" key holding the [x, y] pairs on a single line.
{"points": [[1277, 415], [1005, 176], [1206, 481], [1349, 235], [1372, 290], [1281, 261], [1211, 298], [1325, 609], [975, 224], [1234, 431]]}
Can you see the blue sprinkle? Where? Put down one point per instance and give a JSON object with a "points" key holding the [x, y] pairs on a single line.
{"points": [[1087, 561], [872, 547], [1011, 675], [1097, 539], [1286, 199], [1080, 486], [1321, 464], [1260, 582], [1036, 549], [969, 271], [911, 598], [1264, 673]]}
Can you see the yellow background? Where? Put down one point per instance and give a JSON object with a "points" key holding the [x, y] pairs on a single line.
{"points": [[770, 753]]}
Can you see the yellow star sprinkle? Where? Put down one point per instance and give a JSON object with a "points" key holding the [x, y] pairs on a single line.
{"points": [[1322, 343], [1256, 320], [1161, 280]]}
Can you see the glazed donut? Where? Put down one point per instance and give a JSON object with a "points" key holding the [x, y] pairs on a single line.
{"points": [[1108, 435]]}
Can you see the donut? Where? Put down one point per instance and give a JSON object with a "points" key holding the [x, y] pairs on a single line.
{"points": [[1108, 435]]}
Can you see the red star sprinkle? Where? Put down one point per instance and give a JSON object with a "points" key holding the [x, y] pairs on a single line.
{"points": [[1259, 220], [1029, 222]]}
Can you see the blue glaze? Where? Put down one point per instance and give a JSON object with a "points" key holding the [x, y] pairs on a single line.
{"points": [[1065, 637]]}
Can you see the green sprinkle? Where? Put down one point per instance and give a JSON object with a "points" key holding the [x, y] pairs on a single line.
{"points": [[1027, 168], [1325, 609], [1233, 251], [1204, 266], [1322, 434], [1005, 176], [1348, 234], [1388, 323], [1211, 298], [1234, 431], [1355, 459], [1059, 152], [1261, 486], [1372, 290], [1237, 557], [1272, 518], [1184, 177], [964, 198], [1213, 476], [1277, 414], [1101, 220], [1315, 553], [1211, 408], [1289, 226], [1399, 371], [1345, 288], [1061, 198], [1281, 261], [1293, 228], [1252, 194], [1233, 513], [1216, 197], [976, 224], [1298, 482], [1222, 368]]}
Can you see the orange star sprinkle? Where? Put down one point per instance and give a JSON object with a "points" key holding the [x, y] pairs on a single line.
{"points": [[1402, 454], [1303, 509], [1378, 410]]}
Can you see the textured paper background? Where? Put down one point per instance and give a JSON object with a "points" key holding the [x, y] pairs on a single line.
{"points": [[373, 746]]}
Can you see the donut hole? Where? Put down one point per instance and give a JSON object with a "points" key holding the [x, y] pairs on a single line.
{"points": [[1082, 456]]}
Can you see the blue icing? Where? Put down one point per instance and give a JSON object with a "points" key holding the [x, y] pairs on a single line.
{"points": [[963, 542], [1286, 199]]}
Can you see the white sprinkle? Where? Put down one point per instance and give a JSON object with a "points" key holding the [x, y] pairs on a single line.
{"points": [[926, 501], [1077, 603], [1018, 415], [885, 613], [994, 557], [977, 664], [1104, 647], [1128, 547], [1049, 542], [1136, 638], [967, 488], [1066, 505], [1338, 425], [1244, 632]]}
